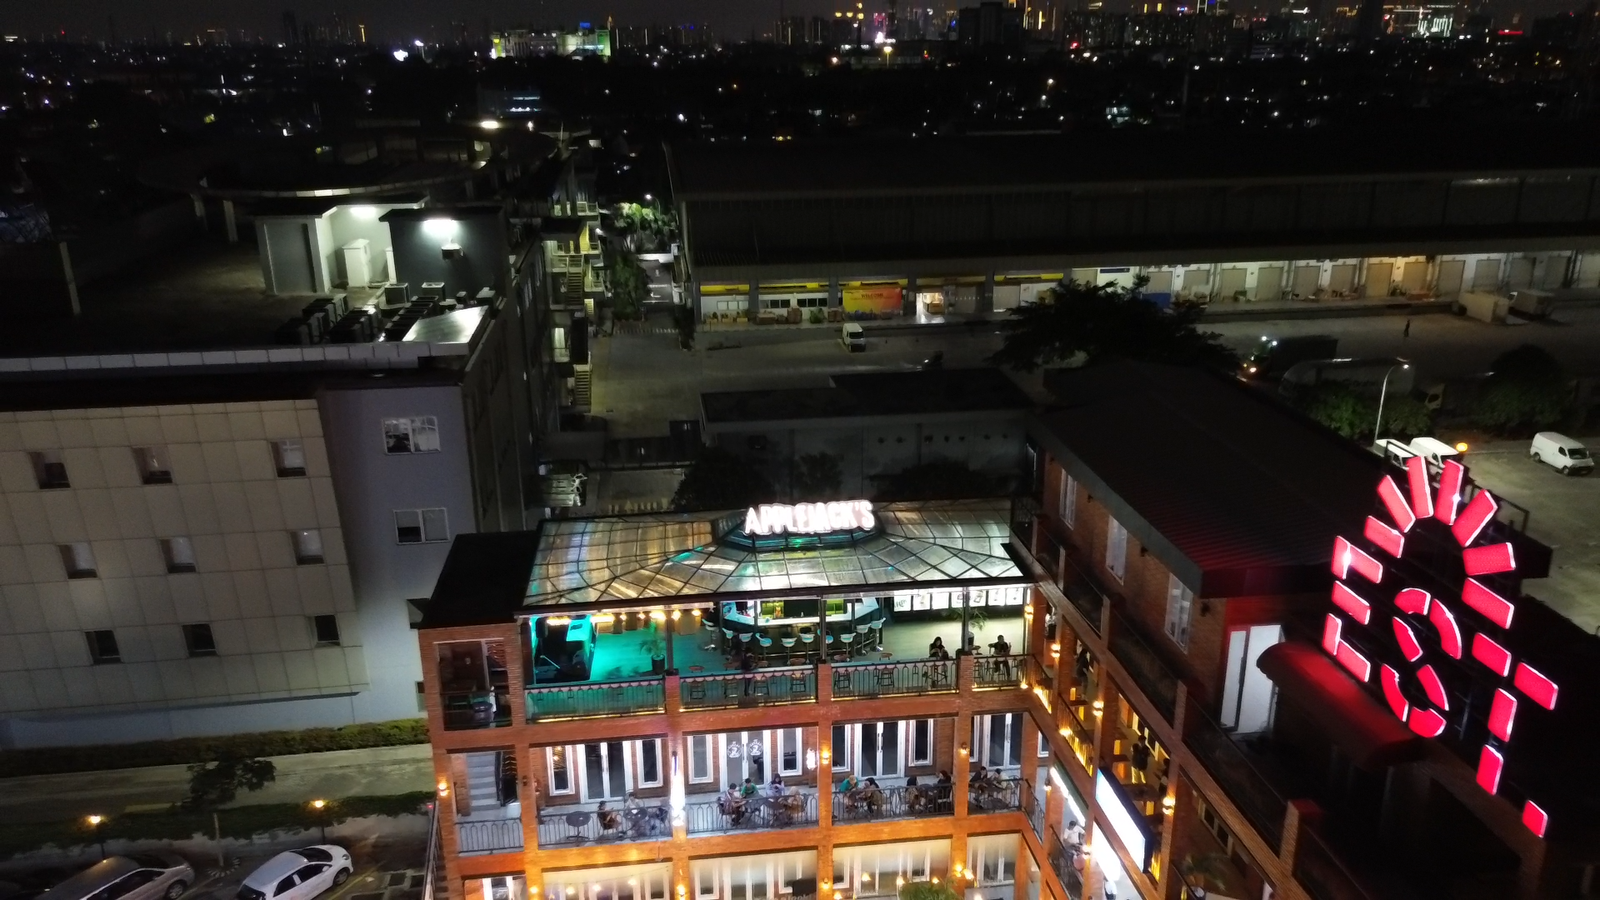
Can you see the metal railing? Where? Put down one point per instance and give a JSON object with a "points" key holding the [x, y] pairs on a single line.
{"points": [[905, 802], [855, 680], [471, 710], [498, 836], [1001, 795], [763, 687], [752, 814], [592, 699], [1238, 777], [995, 672], [433, 864], [1061, 863], [1319, 871], [1144, 666], [1033, 809], [1082, 591], [642, 823]]}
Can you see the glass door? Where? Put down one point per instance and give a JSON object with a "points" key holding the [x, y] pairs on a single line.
{"points": [[745, 755], [997, 741], [607, 774], [880, 749]]}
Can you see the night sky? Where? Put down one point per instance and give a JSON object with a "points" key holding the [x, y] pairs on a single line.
{"points": [[401, 20]]}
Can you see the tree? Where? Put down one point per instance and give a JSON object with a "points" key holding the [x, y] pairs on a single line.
{"points": [[217, 782], [1097, 321], [927, 890], [817, 476], [721, 479], [1527, 391], [938, 480], [1355, 414], [629, 286], [684, 320]]}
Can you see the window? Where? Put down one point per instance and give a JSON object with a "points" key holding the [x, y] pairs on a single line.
{"points": [[841, 748], [153, 465], [307, 547], [103, 647], [290, 457], [790, 754], [325, 631], [1068, 504], [421, 526], [1116, 548], [417, 434], [78, 559], [1180, 605], [922, 742], [560, 772], [699, 758], [49, 469], [650, 762], [199, 641], [1044, 745], [179, 554]]}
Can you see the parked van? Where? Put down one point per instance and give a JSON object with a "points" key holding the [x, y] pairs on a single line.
{"points": [[853, 337], [1561, 453], [142, 876], [1433, 450]]}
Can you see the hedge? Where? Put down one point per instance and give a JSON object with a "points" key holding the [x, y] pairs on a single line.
{"points": [[177, 825], [57, 760]]}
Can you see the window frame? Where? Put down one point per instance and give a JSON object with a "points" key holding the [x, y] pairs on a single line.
{"points": [[565, 769], [285, 453], [299, 543], [916, 726], [1180, 606], [47, 478], [154, 465], [96, 654], [1067, 502], [841, 750], [179, 557], [191, 632], [797, 733], [317, 639], [1116, 549], [710, 757], [411, 427], [651, 744], [73, 557]]}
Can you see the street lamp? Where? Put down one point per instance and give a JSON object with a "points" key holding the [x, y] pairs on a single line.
{"points": [[1383, 392], [317, 807], [94, 830]]}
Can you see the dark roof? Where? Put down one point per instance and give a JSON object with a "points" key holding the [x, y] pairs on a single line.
{"points": [[702, 170], [72, 390], [485, 580], [316, 206], [872, 394], [1247, 493]]}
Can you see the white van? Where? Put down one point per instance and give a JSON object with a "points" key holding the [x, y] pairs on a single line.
{"points": [[1433, 450], [1561, 453], [853, 337]]}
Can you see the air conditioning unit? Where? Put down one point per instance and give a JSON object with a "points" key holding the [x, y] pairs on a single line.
{"points": [[397, 294], [294, 333]]}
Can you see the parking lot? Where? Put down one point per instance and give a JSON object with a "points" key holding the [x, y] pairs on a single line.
{"points": [[1563, 512]]}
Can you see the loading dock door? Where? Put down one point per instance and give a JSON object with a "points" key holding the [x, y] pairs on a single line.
{"points": [[1414, 276], [1305, 280], [1486, 275], [1450, 274], [1379, 274], [1342, 278], [1231, 282], [1269, 283], [1521, 273]]}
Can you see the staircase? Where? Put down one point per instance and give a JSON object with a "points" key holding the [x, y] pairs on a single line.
{"points": [[582, 388], [572, 283], [483, 782]]}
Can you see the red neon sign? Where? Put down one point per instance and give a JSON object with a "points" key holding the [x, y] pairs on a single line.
{"points": [[1424, 626]]}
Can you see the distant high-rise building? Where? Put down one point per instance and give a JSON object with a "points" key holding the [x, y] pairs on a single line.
{"points": [[291, 28]]}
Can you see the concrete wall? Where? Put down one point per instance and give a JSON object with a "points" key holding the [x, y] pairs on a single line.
{"points": [[483, 263], [228, 499], [370, 485]]}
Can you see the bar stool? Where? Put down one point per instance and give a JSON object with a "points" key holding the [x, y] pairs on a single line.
{"points": [[847, 639], [877, 632], [744, 638], [788, 642], [766, 644]]}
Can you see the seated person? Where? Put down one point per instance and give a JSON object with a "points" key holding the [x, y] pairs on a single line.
{"points": [[774, 788], [747, 790], [916, 795], [936, 649], [944, 792], [871, 796], [610, 819], [731, 804]]}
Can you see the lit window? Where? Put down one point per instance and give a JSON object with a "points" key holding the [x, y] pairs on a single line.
{"points": [[179, 554], [307, 546], [78, 559], [103, 647], [922, 742], [699, 758], [290, 457], [790, 756], [1180, 604], [416, 434], [49, 469], [198, 639], [1116, 548], [650, 762], [325, 631], [421, 526], [560, 773]]}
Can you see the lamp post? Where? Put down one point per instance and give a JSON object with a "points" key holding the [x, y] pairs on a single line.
{"points": [[94, 831], [1383, 393], [318, 808]]}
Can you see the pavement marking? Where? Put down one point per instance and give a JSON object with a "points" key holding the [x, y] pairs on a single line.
{"points": [[354, 879]]}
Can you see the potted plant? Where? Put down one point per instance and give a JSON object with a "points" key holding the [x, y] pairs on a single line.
{"points": [[654, 643]]}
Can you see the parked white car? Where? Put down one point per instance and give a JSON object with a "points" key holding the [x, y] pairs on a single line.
{"points": [[1561, 453], [298, 874]]}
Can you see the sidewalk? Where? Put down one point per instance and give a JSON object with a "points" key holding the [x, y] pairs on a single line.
{"points": [[300, 779]]}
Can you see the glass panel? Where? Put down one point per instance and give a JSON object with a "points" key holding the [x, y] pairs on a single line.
{"points": [[1014, 752], [891, 748], [650, 758], [870, 747]]}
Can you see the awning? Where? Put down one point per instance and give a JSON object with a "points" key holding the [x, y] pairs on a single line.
{"points": [[1354, 719]]}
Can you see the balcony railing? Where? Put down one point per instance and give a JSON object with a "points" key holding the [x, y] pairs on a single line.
{"points": [[1034, 810], [905, 802], [1061, 857], [1145, 667], [1238, 777], [858, 680], [498, 836], [752, 814], [1082, 591], [433, 861], [995, 672], [474, 709], [765, 687], [1319, 871], [593, 699], [1003, 795], [559, 828]]}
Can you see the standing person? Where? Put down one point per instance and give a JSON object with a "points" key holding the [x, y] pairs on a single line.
{"points": [[1407, 331], [1074, 834], [747, 665]]}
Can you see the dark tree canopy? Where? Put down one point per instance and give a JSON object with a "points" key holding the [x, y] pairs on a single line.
{"points": [[721, 479], [1355, 414], [938, 480], [1526, 391], [1106, 320], [219, 781]]}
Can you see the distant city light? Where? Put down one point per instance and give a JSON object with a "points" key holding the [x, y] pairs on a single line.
{"points": [[489, 125], [401, 55]]}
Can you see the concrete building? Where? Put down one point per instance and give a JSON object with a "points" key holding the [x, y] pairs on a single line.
{"points": [[972, 225], [209, 527]]}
